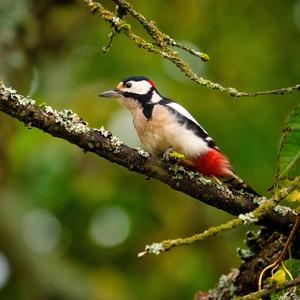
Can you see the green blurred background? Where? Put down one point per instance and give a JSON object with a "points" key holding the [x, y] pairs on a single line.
{"points": [[71, 223]]}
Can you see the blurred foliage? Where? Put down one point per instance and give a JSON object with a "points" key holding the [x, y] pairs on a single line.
{"points": [[289, 153], [54, 197]]}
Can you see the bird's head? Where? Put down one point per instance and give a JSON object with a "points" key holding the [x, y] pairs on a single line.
{"points": [[137, 88]]}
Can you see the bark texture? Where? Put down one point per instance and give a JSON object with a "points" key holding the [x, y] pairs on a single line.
{"points": [[70, 127]]}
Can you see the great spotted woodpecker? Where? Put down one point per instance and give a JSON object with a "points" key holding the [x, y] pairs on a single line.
{"points": [[162, 124]]}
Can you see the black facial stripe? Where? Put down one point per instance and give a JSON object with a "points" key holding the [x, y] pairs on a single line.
{"points": [[144, 100]]}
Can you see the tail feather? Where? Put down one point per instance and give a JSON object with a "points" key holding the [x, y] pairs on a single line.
{"points": [[238, 184]]}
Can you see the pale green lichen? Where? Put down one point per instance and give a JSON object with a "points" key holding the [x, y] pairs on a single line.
{"points": [[48, 109], [142, 152], [105, 132], [180, 171], [25, 101], [232, 91], [283, 210], [177, 171], [204, 180], [70, 120], [9, 93], [192, 174], [245, 254], [260, 200], [155, 248], [248, 218], [116, 144], [226, 283], [116, 20]]}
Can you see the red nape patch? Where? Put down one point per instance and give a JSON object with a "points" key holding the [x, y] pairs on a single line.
{"points": [[213, 163], [151, 82]]}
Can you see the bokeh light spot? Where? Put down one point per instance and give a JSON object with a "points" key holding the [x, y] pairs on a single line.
{"points": [[4, 270], [41, 231], [110, 226]]}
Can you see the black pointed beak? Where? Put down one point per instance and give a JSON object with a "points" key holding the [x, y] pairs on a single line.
{"points": [[110, 94]]}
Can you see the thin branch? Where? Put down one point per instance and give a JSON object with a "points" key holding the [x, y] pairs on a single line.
{"points": [[279, 261], [157, 248], [271, 289], [111, 36], [262, 247], [158, 36], [120, 12], [69, 126], [252, 217], [161, 46]]}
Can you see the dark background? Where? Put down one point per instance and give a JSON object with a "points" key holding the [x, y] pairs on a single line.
{"points": [[71, 223]]}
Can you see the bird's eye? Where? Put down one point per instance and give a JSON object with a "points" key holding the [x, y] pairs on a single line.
{"points": [[128, 85]]}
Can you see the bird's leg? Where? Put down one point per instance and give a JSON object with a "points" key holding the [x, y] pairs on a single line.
{"points": [[172, 156]]}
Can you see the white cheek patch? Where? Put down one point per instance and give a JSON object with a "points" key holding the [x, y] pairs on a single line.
{"points": [[138, 87], [181, 110]]}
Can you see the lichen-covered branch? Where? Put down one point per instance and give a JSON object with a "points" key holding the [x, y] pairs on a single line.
{"points": [[265, 206], [157, 248], [162, 45], [263, 248], [272, 289], [69, 126]]}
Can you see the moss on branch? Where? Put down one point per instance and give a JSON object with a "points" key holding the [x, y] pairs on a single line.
{"points": [[69, 126], [265, 207], [162, 46]]}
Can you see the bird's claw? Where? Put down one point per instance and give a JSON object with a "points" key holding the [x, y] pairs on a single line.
{"points": [[172, 156]]}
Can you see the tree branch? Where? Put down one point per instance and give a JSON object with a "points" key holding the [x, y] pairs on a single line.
{"points": [[272, 289], [257, 214], [69, 126], [263, 248], [162, 46]]}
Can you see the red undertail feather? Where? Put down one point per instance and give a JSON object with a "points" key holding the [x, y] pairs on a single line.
{"points": [[213, 163]]}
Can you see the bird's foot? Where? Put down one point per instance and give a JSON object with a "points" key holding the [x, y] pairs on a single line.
{"points": [[172, 156]]}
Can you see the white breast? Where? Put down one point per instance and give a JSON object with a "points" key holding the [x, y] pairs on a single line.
{"points": [[162, 132]]}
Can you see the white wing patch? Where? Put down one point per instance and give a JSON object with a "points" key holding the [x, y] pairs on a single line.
{"points": [[180, 109]]}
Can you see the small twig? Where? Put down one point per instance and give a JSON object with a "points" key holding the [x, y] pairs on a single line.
{"points": [[252, 217], [157, 248], [120, 12], [280, 91], [203, 56], [111, 36], [282, 255], [162, 47], [270, 289], [159, 37]]}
